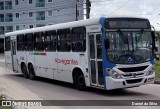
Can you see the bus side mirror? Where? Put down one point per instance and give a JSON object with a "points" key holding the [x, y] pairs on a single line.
{"points": [[107, 43], [153, 39]]}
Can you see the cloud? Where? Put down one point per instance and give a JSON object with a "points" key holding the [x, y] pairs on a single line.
{"points": [[146, 9]]}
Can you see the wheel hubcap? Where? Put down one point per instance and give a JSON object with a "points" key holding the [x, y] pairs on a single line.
{"points": [[81, 80]]}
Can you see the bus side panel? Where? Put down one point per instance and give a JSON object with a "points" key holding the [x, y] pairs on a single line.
{"points": [[18, 63], [45, 64], [52, 65], [84, 66], [8, 60], [39, 64], [66, 61], [86, 60], [21, 57]]}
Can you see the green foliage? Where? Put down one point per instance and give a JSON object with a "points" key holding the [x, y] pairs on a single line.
{"points": [[157, 65], [158, 34]]}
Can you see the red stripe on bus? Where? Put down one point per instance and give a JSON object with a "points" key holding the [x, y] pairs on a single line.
{"points": [[44, 54]]}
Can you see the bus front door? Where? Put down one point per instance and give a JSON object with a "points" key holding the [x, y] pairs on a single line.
{"points": [[96, 64], [14, 57]]}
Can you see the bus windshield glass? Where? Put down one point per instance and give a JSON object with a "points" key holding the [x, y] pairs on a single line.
{"points": [[129, 47]]}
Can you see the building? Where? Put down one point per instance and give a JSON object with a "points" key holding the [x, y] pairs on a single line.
{"points": [[23, 14]]}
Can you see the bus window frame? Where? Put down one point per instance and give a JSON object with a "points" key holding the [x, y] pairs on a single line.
{"points": [[64, 39], [30, 42], [21, 44], [52, 33], [39, 42], [78, 40]]}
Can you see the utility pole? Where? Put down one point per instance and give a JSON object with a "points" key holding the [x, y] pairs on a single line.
{"points": [[88, 8], [76, 11]]}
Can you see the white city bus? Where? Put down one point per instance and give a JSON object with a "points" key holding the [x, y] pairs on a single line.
{"points": [[108, 53]]}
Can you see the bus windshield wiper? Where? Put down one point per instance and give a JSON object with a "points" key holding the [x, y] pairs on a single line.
{"points": [[123, 37], [142, 31]]}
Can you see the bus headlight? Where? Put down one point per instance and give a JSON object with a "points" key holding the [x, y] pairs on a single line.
{"points": [[115, 75], [150, 71]]}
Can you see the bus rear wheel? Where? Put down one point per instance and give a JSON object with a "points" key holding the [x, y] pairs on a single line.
{"points": [[32, 75], [24, 71], [79, 81]]}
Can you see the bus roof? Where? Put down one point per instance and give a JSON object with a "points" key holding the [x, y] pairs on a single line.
{"points": [[56, 26]]}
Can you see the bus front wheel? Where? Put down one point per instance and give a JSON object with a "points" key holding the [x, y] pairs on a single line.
{"points": [[24, 71], [32, 75], [79, 80]]}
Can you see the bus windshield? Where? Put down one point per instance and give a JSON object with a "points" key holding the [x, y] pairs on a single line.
{"points": [[126, 47]]}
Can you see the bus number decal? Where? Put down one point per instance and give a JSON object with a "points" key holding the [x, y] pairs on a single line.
{"points": [[66, 62]]}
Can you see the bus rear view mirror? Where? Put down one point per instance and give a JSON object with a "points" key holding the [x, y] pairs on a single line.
{"points": [[153, 39], [107, 43]]}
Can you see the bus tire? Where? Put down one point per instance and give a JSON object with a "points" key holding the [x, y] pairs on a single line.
{"points": [[32, 75], [79, 80], [24, 71]]}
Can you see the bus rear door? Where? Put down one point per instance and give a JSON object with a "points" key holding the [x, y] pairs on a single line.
{"points": [[13, 54]]}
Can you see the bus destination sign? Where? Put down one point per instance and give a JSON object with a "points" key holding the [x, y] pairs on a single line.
{"points": [[127, 23]]}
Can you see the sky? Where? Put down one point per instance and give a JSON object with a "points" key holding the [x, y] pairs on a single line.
{"points": [[139, 8]]}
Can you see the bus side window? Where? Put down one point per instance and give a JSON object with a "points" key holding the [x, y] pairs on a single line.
{"points": [[64, 40], [21, 42], [79, 39], [39, 41], [50, 41], [30, 42], [99, 46], [7, 43]]}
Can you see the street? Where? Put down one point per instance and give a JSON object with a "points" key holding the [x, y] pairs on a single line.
{"points": [[14, 86]]}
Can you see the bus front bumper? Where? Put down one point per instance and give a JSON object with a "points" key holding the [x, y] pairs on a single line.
{"points": [[112, 83]]}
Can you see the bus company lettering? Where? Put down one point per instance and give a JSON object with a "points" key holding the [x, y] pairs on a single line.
{"points": [[66, 62]]}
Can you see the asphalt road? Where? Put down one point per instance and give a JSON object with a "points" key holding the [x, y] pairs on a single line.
{"points": [[14, 86]]}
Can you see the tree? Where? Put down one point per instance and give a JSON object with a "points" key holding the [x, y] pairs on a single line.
{"points": [[158, 34]]}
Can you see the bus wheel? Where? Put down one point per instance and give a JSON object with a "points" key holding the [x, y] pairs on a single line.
{"points": [[31, 72], [79, 81], [24, 71]]}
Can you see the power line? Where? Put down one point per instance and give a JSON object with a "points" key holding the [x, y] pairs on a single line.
{"points": [[105, 6], [120, 7], [110, 4]]}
